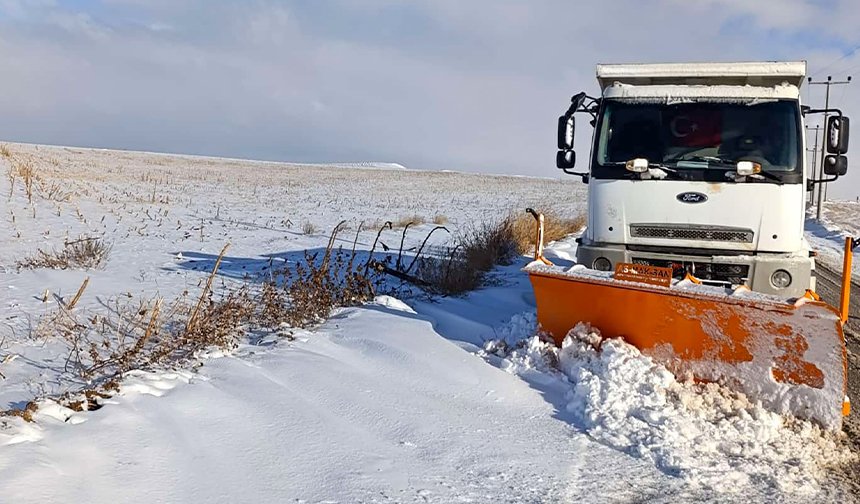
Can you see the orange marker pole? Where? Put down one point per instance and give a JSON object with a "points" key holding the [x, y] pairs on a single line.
{"points": [[846, 279], [539, 223], [539, 237]]}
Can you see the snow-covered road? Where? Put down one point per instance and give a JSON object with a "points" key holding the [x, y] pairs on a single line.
{"points": [[375, 407]]}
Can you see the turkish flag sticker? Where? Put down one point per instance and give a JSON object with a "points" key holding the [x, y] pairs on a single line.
{"points": [[691, 127]]}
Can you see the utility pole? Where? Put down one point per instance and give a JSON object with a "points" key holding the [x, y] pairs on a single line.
{"points": [[829, 82]]}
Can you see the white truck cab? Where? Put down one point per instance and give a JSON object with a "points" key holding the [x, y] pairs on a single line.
{"points": [[701, 168]]}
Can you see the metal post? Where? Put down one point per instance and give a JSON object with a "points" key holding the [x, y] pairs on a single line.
{"points": [[815, 187], [823, 150], [822, 191]]}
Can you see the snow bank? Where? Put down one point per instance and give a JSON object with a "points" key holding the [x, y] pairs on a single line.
{"points": [[392, 304], [371, 166], [715, 438]]}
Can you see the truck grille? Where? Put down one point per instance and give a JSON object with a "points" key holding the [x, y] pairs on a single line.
{"points": [[700, 233], [735, 274]]}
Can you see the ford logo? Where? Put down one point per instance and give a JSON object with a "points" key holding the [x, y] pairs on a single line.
{"points": [[692, 197]]}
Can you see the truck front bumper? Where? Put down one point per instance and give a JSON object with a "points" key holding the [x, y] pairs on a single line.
{"points": [[759, 268]]}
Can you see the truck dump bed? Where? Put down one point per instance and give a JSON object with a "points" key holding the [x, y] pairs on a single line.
{"points": [[764, 74]]}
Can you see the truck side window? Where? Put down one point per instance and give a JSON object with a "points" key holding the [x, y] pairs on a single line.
{"points": [[636, 137]]}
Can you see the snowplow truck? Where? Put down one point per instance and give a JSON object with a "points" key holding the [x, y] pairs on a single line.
{"points": [[694, 249]]}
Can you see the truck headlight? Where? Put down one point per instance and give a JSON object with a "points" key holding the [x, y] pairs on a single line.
{"points": [[780, 279], [748, 168], [602, 264], [637, 165]]}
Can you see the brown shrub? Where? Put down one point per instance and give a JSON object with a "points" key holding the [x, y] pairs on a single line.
{"points": [[26, 412], [451, 275], [463, 267], [317, 287], [142, 336], [440, 220], [217, 324], [309, 228], [273, 305], [488, 245], [307, 294], [85, 253]]}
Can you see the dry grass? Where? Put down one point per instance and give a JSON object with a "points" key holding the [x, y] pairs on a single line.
{"points": [[308, 293], [465, 265], [25, 171], [450, 275], [317, 288], [84, 253], [309, 228], [5, 152], [151, 333], [413, 220], [54, 192], [556, 227], [145, 334], [440, 220], [26, 412], [488, 245]]}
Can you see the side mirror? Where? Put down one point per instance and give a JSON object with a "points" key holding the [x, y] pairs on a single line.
{"points": [[837, 134], [565, 159], [836, 165], [566, 127]]}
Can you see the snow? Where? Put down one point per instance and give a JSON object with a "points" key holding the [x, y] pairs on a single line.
{"points": [[750, 95], [356, 414], [839, 220], [392, 303], [713, 437], [762, 72], [384, 403], [657, 173], [167, 218], [684, 285]]}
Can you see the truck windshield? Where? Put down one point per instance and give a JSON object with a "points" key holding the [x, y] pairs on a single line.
{"points": [[699, 136]]}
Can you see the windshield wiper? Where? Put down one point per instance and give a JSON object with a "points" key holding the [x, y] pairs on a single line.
{"points": [[728, 163]]}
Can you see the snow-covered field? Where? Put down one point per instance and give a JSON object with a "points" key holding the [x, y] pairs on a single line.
{"points": [[396, 401], [839, 219]]}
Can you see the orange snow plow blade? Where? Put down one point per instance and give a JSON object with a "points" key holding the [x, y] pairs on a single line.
{"points": [[789, 355], [727, 339]]}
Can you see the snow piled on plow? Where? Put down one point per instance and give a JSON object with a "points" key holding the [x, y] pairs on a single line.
{"points": [[714, 437]]}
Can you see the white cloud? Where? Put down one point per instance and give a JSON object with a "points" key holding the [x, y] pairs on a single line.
{"points": [[432, 84], [78, 23], [268, 25]]}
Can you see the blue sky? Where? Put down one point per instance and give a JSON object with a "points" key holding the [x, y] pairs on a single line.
{"points": [[442, 84]]}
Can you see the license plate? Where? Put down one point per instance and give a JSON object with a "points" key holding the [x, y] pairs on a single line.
{"points": [[651, 275]]}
